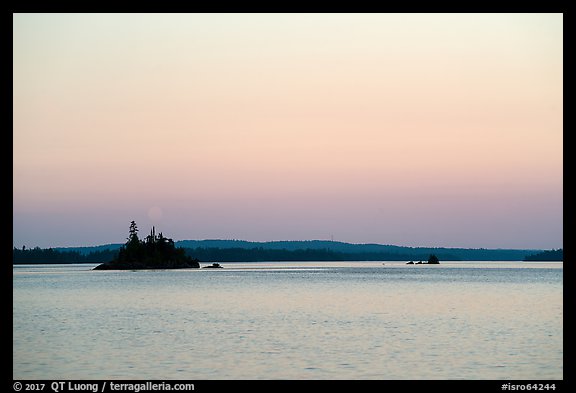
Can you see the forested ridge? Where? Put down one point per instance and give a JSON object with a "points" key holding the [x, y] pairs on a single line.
{"points": [[240, 251], [550, 255], [51, 255]]}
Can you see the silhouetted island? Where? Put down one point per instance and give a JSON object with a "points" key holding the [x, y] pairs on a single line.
{"points": [[433, 260], [154, 252]]}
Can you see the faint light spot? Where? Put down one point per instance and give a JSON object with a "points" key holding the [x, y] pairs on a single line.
{"points": [[155, 213]]}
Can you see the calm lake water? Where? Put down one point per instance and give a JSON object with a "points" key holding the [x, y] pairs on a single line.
{"points": [[290, 320]]}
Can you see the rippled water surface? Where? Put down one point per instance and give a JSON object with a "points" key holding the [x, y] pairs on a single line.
{"points": [[299, 320]]}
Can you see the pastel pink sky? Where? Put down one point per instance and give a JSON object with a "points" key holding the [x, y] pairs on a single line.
{"points": [[408, 129]]}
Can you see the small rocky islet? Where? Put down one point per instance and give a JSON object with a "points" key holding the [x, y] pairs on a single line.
{"points": [[432, 260]]}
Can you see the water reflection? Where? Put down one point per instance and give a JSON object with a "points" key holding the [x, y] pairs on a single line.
{"points": [[290, 321]]}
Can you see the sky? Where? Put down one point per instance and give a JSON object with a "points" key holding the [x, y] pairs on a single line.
{"points": [[437, 130]]}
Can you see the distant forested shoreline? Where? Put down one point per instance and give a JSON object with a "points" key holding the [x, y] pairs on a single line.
{"points": [[51, 255], [546, 256], [314, 250]]}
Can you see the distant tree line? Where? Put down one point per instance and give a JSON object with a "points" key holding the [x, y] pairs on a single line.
{"points": [[370, 251], [50, 255], [207, 254], [551, 255], [259, 254]]}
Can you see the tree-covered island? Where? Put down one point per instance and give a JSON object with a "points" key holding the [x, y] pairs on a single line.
{"points": [[433, 259], [154, 252]]}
